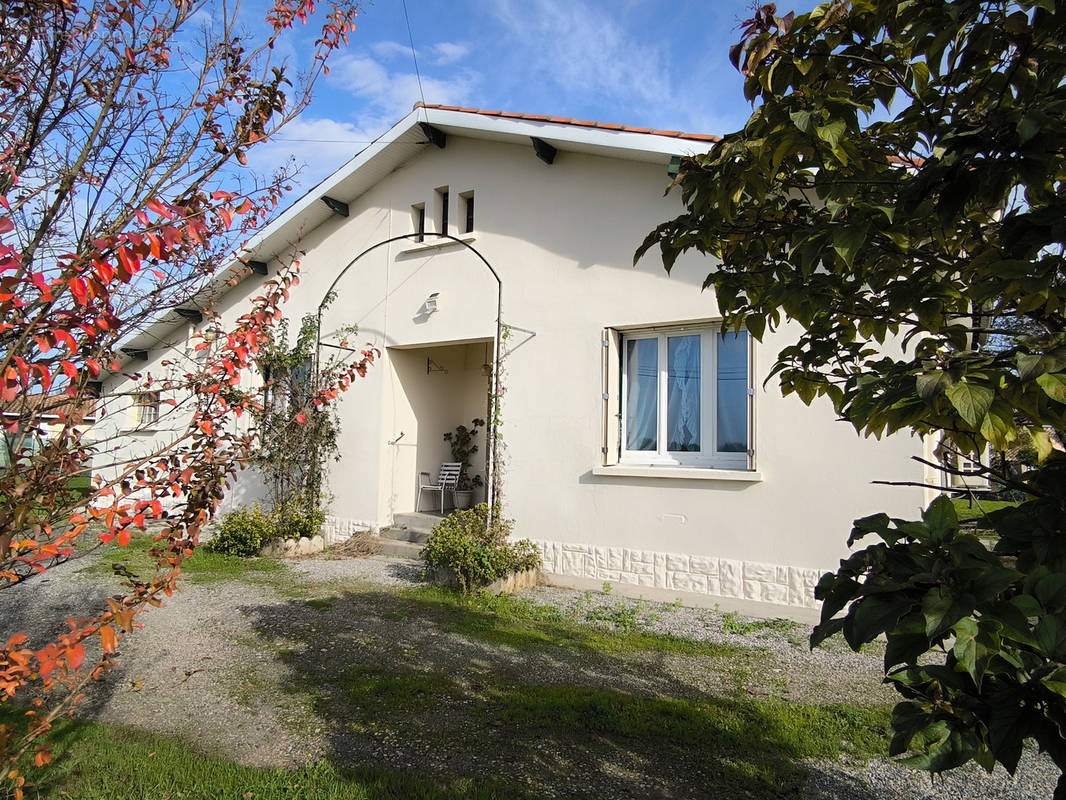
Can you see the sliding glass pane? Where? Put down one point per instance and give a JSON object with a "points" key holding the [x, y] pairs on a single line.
{"points": [[683, 393], [733, 393], [642, 394]]}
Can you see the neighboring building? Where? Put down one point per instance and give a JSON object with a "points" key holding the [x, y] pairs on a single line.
{"points": [[31, 420], [641, 446]]}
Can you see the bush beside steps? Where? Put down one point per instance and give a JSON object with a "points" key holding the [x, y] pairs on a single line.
{"points": [[466, 553]]}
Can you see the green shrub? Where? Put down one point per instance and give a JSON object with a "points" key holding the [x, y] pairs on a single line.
{"points": [[296, 518], [243, 532], [462, 546]]}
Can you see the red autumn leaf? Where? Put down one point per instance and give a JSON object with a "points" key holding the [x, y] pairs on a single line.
{"points": [[130, 261], [301, 419], [80, 289], [108, 640], [6, 225], [15, 641], [123, 537], [75, 656]]}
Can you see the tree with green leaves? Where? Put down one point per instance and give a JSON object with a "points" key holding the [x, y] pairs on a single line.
{"points": [[898, 192]]}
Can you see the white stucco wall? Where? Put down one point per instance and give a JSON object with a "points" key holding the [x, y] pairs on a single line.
{"points": [[562, 239]]}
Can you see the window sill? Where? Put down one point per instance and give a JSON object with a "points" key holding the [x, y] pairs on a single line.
{"points": [[686, 473], [436, 244]]}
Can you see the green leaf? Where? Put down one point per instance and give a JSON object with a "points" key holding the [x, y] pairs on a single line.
{"points": [[1051, 635], [847, 241], [1042, 442], [1028, 127], [921, 75], [971, 401], [965, 649], [941, 609], [873, 615], [932, 384], [941, 518], [998, 430], [1054, 385], [802, 120], [831, 133], [940, 747], [906, 642], [755, 325]]}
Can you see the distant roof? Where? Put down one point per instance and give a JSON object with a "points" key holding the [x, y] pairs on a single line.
{"points": [[51, 405], [610, 126]]}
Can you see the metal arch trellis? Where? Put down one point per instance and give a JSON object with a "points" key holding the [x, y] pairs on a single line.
{"points": [[495, 357]]}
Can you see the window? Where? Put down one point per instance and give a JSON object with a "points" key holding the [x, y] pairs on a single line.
{"points": [[147, 408], [468, 209], [286, 386], [686, 398], [418, 216], [442, 203]]}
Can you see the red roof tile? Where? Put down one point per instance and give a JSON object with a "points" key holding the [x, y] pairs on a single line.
{"points": [[699, 137]]}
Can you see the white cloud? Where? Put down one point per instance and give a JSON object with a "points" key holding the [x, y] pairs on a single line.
{"points": [[584, 50], [438, 54], [449, 52], [390, 50], [375, 97], [392, 94], [318, 145]]}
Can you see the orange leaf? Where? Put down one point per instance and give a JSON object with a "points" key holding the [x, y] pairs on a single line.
{"points": [[15, 641], [108, 640], [76, 656]]}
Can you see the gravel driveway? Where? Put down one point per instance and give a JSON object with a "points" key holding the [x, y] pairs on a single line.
{"points": [[238, 668]]}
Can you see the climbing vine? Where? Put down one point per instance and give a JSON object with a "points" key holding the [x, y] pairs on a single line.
{"points": [[496, 415], [297, 438]]}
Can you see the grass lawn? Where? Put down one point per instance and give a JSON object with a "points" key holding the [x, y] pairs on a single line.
{"points": [[420, 692], [204, 566], [969, 511], [110, 762]]}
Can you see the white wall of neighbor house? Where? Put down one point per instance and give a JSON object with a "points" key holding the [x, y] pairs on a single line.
{"points": [[562, 238]]}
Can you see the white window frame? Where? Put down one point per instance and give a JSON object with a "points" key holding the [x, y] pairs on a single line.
{"points": [[708, 456], [147, 404]]}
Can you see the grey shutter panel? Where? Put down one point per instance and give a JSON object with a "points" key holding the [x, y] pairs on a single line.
{"points": [[610, 344]]}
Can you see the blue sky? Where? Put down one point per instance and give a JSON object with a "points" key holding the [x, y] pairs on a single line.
{"points": [[652, 63]]}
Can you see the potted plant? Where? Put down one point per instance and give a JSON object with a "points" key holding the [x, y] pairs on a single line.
{"points": [[463, 448]]}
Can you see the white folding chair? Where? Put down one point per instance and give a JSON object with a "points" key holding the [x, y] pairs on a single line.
{"points": [[446, 480]]}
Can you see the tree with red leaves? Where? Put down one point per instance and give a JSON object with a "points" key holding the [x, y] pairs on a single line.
{"points": [[123, 126]]}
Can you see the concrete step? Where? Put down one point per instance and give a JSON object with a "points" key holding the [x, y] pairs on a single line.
{"points": [[416, 521], [392, 547], [401, 534]]}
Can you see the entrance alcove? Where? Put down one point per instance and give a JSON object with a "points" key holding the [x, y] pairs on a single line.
{"points": [[433, 390]]}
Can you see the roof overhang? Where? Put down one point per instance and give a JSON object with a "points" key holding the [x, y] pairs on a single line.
{"points": [[389, 152]]}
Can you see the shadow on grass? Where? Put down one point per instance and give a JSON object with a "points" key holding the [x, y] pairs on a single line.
{"points": [[93, 761], [440, 685]]}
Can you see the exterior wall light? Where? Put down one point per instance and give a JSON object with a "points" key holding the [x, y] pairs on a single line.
{"points": [[431, 303]]}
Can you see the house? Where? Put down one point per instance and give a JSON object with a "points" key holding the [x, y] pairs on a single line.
{"points": [[32, 420], [641, 446]]}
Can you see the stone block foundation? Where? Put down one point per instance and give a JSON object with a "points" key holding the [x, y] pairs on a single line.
{"points": [[718, 577]]}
